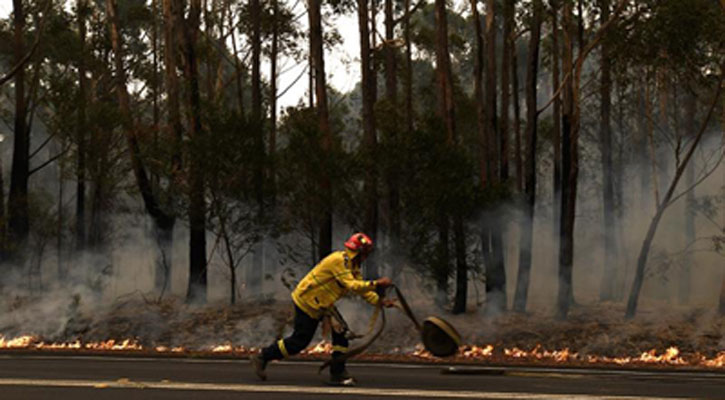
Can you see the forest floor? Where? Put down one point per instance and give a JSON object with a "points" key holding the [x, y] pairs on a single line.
{"points": [[592, 335]]}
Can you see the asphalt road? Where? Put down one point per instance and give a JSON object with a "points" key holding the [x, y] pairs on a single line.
{"points": [[55, 377]]}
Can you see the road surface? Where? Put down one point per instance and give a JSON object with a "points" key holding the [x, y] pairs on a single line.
{"points": [[30, 377]]}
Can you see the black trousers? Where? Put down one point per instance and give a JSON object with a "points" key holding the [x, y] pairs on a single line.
{"points": [[304, 329]]}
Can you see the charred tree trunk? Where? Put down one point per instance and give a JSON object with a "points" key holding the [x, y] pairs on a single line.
{"points": [[526, 238], [370, 188], [238, 70], [517, 118], [570, 169], [495, 269], [80, 222], [256, 272], [197, 205], [164, 232], [97, 162], [155, 86], [446, 113], [391, 73], [408, 72], [391, 94], [508, 23], [605, 146], [318, 66], [478, 96], [273, 103], [444, 74], [171, 80], [18, 218], [490, 94], [721, 309], [556, 134]]}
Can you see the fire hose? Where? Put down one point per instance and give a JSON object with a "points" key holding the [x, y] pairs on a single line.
{"points": [[438, 336]]}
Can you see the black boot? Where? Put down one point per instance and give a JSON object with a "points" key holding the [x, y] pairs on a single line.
{"points": [[342, 378], [258, 364]]}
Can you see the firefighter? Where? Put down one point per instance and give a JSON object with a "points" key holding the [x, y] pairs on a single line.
{"points": [[336, 275]]}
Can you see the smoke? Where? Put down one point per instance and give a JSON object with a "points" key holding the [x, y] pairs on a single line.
{"points": [[109, 294]]}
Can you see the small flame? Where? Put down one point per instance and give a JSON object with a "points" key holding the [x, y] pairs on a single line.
{"points": [[478, 352], [165, 349], [224, 348], [323, 347], [17, 343]]}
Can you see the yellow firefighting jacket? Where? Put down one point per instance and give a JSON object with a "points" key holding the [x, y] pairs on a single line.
{"points": [[332, 278]]}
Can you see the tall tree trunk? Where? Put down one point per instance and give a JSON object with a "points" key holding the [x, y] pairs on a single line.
{"points": [[721, 309], [605, 146], [556, 134], [408, 72], [97, 160], [155, 109], [238, 70], [570, 168], [478, 96], [391, 73], [517, 117], [318, 63], [18, 218], [273, 262], [391, 93], [495, 268], [508, 26], [197, 205], [256, 39], [171, 80], [490, 93], [80, 223], [526, 238], [273, 102], [370, 188], [446, 113], [661, 207], [483, 157], [444, 74], [256, 273], [175, 131]]}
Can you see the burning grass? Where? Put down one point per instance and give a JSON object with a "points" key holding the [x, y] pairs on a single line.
{"points": [[592, 336]]}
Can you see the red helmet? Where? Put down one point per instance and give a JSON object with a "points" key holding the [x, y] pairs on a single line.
{"points": [[360, 242]]}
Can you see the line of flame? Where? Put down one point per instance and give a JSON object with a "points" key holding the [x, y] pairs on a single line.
{"points": [[671, 356]]}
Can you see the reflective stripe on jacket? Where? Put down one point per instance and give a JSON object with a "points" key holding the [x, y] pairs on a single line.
{"points": [[332, 278]]}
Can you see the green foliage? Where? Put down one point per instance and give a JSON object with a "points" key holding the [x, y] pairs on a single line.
{"points": [[683, 36]]}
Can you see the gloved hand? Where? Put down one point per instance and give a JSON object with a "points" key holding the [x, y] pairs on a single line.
{"points": [[383, 282]]}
